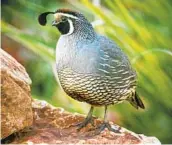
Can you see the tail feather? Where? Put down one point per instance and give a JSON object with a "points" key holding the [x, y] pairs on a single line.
{"points": [[139, 101], [136, 102]]}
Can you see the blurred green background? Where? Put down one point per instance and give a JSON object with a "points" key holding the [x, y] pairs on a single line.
{"points": [[143, 29]]}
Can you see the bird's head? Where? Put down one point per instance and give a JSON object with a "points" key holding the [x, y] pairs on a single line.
{"points": [[66, 20]]}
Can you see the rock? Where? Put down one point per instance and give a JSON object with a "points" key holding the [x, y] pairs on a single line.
{"points": [[16, 109], [56, 126]]}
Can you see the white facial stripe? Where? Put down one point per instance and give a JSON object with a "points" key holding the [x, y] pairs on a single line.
{"points": [[67, 15], [71, 27]]}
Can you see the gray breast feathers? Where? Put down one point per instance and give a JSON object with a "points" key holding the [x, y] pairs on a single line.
{"points": [[102, 57]]}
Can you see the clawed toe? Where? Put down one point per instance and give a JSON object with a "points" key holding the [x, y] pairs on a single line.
{"points": [[85, 123], [101, 127], [104, 125]]}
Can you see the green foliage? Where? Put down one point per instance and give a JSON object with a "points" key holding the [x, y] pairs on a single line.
{"points": [[143, 29]]}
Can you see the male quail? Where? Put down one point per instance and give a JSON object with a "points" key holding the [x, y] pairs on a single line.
{"points": [[91, 68]]}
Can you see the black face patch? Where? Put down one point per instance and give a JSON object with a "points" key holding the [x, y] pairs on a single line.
{"points": [[63, 27]]}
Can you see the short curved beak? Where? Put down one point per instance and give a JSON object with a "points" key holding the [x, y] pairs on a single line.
{"points": [[54, 23]]}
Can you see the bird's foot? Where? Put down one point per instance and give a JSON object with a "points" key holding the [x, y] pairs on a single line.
{"points": [[85, 123], [104, 125]]}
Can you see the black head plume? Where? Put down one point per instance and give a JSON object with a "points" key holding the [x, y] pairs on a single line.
{"points": [[42, 18]]}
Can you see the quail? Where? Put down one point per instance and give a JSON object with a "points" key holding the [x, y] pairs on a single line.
{"points": [[91, 68]]}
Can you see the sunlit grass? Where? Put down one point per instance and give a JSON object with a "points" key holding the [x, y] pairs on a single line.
{"points": [[143, 30], [146, 39]]}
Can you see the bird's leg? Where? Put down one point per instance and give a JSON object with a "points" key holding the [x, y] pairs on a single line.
{"points": [[104, 125], [88, 119]]}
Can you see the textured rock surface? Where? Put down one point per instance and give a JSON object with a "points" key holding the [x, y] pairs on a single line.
{"points": [[56, 126], [16, 110]]}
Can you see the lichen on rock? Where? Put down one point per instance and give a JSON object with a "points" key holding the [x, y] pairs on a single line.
{"points": [[56, 126]]}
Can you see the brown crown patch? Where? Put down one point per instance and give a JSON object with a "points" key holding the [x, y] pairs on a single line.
{"points": [[68, 11]]}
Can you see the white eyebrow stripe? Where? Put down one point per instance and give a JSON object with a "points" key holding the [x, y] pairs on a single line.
{"points": [[67, 15]]}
